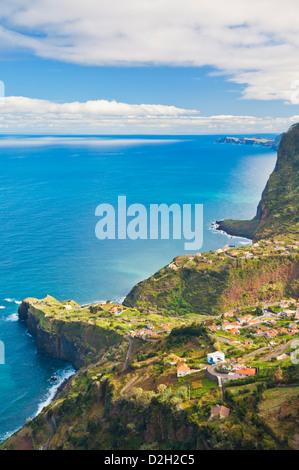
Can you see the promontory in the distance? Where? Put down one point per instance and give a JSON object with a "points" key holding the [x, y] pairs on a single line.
{"points": [[264, 142]]}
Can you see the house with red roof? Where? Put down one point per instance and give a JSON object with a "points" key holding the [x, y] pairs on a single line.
{"points": [[247, 371], [234, 331], [212, 327], [219, 411], [183, 370]]}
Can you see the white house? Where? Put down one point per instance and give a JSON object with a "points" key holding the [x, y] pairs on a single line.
{"points": [[215, 357], [183, 370], [230, 325]]}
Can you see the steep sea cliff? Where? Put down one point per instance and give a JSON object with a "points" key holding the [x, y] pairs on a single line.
{"points": [[277, 212], [77, 342]]}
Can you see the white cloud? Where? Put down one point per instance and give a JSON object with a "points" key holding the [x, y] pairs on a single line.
{"points": [[20, 104], [20, 114], [255, 43]]}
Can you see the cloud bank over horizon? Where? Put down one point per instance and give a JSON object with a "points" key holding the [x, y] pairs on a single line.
{"points": [[254, 44], [21, 114]]}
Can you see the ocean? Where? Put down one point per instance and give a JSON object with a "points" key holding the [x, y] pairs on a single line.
{"points": [[50, 187]]}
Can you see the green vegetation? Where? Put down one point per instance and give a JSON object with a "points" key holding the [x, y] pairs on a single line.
{"points": [[128, 393], [277, 212], [213, 288]]}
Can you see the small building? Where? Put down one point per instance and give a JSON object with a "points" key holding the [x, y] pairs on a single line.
{"points": [[234, 253], [288, 313], [150, 333], [228, 314], [247, 372], [230, 325], [244, 318], [283, 330], [116, 310], [67, 307], [282, 357], [183, 370], [220, 411], [215, 357], [212, 327], [166, 327], [234, 331]]}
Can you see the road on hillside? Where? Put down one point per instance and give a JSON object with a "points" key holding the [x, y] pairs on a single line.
{"points": [[129, 352], [278, 351], [51, 423]]}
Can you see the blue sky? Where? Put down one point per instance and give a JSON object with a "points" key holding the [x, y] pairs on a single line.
{"points": [[144, 66], [185, 87]]}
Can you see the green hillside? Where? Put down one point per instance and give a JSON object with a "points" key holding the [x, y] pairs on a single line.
{"points": [[277, 212]]}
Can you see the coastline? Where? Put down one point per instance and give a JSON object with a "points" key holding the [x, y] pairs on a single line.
{"points": [[52, 394], [61, 386], [216, 227], [236, 228], [55, 390]]}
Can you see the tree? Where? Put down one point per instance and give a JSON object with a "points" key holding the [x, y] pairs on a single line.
{"points": [[277, 376], [258, 311]]}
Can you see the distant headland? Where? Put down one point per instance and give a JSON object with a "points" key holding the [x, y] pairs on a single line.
{"points": [[264, 142]]}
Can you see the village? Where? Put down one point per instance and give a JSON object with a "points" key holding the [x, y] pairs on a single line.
{"points": [[276, 321], [258, 250], [267, 328], [231, 346]]}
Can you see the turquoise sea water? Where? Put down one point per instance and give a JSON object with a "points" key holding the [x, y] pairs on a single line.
{"points": [[49, 189]]}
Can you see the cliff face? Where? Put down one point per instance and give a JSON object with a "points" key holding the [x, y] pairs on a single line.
{"points": [[77, 342], [277, 212]]}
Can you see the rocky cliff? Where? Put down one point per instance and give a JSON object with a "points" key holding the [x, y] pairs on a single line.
{"points": [[77, 342], [277, 212]]}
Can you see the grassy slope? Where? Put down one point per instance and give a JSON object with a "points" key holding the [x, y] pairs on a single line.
{"points": [[214, 288]]}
